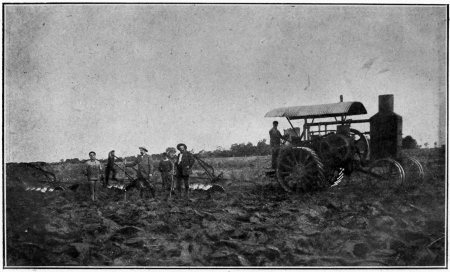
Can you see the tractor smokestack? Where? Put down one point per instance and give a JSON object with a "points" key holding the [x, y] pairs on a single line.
{"points": [[386, 103], [342, 98], [386, 130]]}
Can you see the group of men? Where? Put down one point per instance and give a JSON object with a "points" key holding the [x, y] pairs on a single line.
{"points": [[145, 180]]}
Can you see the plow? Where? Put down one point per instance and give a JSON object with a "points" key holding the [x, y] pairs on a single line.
{"points": [[208, 175], [50, 183]]}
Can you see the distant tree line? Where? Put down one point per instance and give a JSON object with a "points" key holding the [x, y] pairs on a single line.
{"points": [[236, 150], [240, 150], [410, 143]]}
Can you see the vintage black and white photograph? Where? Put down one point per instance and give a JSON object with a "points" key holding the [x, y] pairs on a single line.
{"points": [[193, 135]]}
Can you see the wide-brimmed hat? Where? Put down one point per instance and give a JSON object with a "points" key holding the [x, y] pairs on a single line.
{"points": [[178, 146], [143, 148], [92, 152]]}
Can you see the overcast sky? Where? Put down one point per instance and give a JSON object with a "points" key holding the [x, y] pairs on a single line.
{"points": [[101, 77]]}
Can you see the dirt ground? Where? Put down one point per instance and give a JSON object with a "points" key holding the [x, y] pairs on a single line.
{"points": [[254, 223]]}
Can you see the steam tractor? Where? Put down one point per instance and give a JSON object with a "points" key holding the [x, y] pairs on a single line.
{"points": [[324, 151]]}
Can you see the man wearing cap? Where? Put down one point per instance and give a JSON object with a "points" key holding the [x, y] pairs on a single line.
{"points": [[110, 168], [184, 168], [92, 170], [144, 172], [275, 141]]}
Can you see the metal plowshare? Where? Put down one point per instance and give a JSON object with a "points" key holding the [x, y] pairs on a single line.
{"points": [[327, 150]]}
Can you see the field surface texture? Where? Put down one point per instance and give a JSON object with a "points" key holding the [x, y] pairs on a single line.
{"points": [[253, 223]]}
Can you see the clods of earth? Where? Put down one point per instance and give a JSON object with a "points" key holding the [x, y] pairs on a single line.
{"points": [[252, 223]]}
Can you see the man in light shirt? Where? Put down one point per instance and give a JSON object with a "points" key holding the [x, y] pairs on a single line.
{"points": [[92, 170]]}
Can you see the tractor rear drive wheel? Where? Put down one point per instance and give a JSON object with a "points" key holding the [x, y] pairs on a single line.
{"points": [[335, 148], [299, 170]]}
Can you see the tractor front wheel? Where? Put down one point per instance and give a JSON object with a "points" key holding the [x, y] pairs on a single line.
{"points": [[414, 174], [386, 175]]}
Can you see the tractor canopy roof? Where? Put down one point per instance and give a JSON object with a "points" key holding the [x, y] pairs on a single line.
{"points": [[319, 111]]}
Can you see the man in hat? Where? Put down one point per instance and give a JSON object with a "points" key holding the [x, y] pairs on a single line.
{"points": [[275, 141], [166, 168], [144, 172], [110, 168], [184, 164], [92, 170]]}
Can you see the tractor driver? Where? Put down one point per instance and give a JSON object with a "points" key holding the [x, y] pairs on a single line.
{"points": [[275, 142]]}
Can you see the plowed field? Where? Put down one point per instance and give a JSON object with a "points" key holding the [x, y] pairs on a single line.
{"points": [[254, 223]]}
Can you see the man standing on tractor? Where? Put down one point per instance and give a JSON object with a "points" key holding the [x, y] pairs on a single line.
{"points": [[184, 165], [275, 141], [144, 172], [92, 169], [110, 168], [166, 168]]}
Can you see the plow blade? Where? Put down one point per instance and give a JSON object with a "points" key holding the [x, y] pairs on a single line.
{"points": [[206, 187]]}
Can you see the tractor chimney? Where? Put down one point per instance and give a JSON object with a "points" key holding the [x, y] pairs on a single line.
{"points": [[386, 130], [342, 98], [386, 103]]}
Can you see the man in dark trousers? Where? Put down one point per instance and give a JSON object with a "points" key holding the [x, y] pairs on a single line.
{"points": [[184, 164], [166, 168], [275, 141], [110, 168], [144, 172]]}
